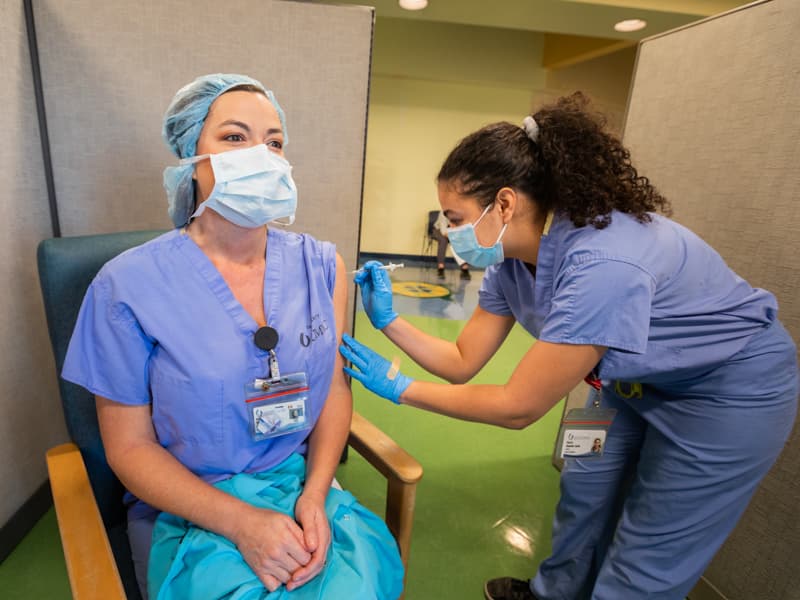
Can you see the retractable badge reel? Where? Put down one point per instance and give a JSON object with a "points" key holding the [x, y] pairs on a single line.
{"points": [[584, 430], [276, 404]]}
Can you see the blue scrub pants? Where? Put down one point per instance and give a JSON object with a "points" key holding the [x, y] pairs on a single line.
{"points": [[679, 467]]}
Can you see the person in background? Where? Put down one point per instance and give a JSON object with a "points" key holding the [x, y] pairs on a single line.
{"points": [[223, 426], [439, 233], [692, 367]]}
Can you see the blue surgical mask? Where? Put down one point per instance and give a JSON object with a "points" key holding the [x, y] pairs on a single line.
{"points": [[252, 187], [465, 244]]}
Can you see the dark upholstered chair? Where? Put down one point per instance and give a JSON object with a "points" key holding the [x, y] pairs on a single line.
{"points": [[87, 495]]}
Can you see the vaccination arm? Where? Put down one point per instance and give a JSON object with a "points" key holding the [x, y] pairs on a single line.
{"points": [[271, 542], [455, 362], [459, 361], [325, 446], [545, 374]]}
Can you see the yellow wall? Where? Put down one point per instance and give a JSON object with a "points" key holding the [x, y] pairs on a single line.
{"points": [[605, 79], [434, 83], [413, 124]]}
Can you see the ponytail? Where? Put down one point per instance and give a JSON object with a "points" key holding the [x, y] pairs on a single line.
{"points": [[562, 158]]}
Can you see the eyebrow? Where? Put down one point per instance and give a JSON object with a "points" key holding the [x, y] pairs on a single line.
{"points": [[244, 126]]}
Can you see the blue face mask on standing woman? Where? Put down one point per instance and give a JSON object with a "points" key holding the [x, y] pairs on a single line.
{"points": [[465, 244], [252, 187]]}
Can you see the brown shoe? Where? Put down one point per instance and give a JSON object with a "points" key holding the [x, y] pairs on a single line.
{"points": [[507, 588]]}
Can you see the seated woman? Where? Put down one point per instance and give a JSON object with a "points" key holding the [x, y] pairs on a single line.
{"points": [[221, 399]]}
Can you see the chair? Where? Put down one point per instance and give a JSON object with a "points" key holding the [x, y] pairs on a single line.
{"points": [[87, 494]]}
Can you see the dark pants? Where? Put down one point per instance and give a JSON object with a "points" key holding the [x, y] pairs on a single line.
{"points": [[442, 246]]}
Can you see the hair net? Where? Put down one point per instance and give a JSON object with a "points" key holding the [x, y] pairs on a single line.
{"points": [[183, 122]]}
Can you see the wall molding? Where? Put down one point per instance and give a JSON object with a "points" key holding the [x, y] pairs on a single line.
{"points": [[22, 521], [705, 590]]}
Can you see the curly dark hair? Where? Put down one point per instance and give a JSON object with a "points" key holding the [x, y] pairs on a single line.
{"points": [[574, 167]]}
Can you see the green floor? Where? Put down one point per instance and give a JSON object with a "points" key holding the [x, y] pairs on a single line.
{"points": [[36, 570], [484, 506], [486, 501]]}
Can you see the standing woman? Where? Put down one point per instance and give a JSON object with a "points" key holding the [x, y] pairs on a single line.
{"points": [[693, 360]]}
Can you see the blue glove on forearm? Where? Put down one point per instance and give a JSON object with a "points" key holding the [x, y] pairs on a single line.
{"points": [[376, 294], [372, 370]]}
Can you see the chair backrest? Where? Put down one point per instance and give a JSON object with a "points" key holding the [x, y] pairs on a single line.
{"points": [[66, 268]]}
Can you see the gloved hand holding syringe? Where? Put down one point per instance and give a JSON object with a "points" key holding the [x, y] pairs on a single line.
{"points": [[375, 372], [376, 292]]}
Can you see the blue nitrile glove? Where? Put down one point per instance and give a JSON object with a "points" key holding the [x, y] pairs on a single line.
{"points": [[372, 370], [376, 294]]}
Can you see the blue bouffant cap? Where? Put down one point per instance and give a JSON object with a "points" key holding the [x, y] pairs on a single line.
{"points": [[183, 123]]}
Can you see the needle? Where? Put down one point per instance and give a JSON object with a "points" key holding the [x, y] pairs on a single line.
{"points": [[390, 267]]}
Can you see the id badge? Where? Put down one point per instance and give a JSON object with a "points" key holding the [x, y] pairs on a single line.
{"points": [[277, 408], [583, 432]]}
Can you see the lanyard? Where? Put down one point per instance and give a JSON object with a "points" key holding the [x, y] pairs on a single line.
{"points": [[266, 338], [594, 382]]}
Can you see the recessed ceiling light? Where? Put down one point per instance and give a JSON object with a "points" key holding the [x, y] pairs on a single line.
{"points": [[630, 25], [413, 4]]}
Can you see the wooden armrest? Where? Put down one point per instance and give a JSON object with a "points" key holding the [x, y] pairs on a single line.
{"points": [[402, 472], [91, 567], [92, 571], [382, 452]]}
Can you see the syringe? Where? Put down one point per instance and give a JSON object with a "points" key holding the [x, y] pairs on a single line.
{"points": [[390, 267]]}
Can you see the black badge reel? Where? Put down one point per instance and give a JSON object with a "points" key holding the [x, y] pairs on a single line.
{"points": [[276, 406], [267, 338]]}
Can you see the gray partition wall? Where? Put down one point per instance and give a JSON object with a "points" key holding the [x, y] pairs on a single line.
{"points": [[30, 412], [108, 71], [714, 121]]}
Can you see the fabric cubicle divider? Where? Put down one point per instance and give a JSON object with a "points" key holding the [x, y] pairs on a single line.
{"points": [[29, 403], [714, 121], [109, 69]]}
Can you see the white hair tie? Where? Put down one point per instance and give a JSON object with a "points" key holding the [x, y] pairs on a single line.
{"points": [[531, 127]]}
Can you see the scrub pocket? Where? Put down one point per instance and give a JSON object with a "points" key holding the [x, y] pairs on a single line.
{"points": [[187, 412]]}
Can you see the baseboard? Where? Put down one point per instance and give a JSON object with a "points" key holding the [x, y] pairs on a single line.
{"points": [[24, 519], [705, 590]]}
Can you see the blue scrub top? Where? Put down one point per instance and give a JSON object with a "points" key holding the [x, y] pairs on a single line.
{"points": [[662, 300], [160, 326]]}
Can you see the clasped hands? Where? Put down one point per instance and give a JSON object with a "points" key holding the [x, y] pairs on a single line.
{"points": [[282, 551]]}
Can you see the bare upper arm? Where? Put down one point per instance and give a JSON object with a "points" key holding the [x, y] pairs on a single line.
{"points": [[123, 427], [481, 337], [340, 313], [547, 373]]}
